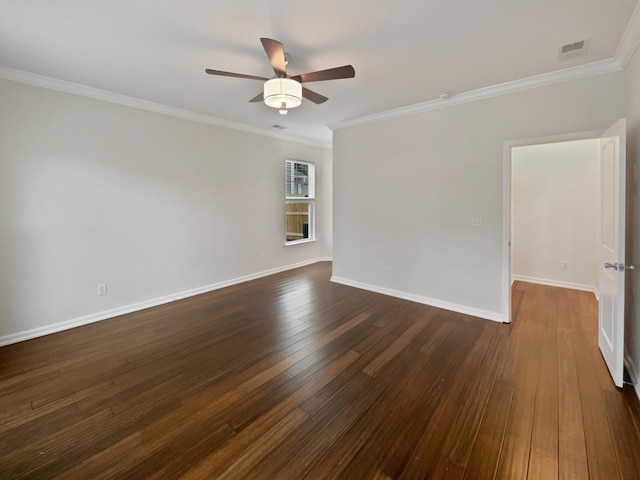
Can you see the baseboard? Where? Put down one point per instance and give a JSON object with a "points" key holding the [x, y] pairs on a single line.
{"points": [[633, 373], [475, 312], [556, 283], [105, 314]]}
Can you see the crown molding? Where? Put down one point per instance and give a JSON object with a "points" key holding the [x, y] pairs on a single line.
{"points": [[573, 73], [630, 39], [36, 80]]}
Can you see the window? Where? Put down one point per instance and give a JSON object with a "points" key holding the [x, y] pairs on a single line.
{"points": [[300, 201]]}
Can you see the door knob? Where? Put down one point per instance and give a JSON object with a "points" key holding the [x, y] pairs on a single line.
{"points": [[619, 266]]}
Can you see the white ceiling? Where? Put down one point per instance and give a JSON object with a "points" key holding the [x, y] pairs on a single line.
{"points": [[404, 52]]}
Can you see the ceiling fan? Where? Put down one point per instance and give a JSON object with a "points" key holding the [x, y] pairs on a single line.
{"points": [[283, 91]]}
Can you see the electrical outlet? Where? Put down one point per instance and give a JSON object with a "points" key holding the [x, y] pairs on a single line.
{"points": [[262, 256], [389, 270], [565, 265], [102, 289], [476, 222]]}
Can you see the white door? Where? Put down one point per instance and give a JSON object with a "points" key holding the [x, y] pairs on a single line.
{"points": [[612, 231]]}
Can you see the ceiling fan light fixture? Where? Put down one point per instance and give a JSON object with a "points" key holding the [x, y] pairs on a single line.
{"points": [[282, 93]]}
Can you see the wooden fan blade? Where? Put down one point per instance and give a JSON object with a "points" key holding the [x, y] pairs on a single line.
{"points": [[275, 52], [236, 75], [313, 96], [347, 71], [257, 98]]}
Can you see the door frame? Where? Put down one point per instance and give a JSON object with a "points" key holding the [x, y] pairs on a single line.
{"points": [[508, 146]]}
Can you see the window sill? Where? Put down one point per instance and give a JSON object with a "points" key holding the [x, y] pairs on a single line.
{"points": [[298, 242]]}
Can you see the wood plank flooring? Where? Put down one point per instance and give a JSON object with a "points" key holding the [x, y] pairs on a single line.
{"points": [[293, 377]]}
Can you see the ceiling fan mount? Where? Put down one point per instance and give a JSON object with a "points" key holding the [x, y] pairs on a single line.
{"points": [[283, 91]]}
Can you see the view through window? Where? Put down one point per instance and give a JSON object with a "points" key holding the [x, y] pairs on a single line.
{"points": [[300, 201]]}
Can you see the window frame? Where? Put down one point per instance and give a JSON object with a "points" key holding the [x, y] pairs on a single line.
{"points": [[309, 200]]}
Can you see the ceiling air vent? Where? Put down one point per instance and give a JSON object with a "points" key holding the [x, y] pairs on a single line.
{"points": [[574, 49], [279, 127]]}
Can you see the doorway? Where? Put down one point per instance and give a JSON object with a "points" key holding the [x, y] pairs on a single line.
{"points": [[551, 213], [554, 214], [611, 238]]}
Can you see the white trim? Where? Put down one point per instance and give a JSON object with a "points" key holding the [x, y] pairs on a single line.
{"points": [[106, 314], [474, 312], [299, 242], [633, 373], [563, 137], [624, 54], [573, 73], [506, 232], [556, 283], [51, 83], [630, 39], [506, 203]]}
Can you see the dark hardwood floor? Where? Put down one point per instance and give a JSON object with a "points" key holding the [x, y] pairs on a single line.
{"points": [[292, 377]]}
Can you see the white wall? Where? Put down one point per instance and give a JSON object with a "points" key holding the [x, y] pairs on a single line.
{"points": [[407, 189], [153, 205], [632, 307], [554, 211]]}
